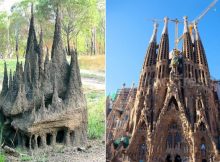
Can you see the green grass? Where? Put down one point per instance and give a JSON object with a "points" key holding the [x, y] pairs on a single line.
{"points": [[26, 158], [96, 111], [2, 157], [86, 62], [93, 76], [11, 64]]}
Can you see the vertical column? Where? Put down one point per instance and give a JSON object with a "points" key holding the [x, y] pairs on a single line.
{"points": [[67, 137], [19, 139], [53, 141], [35, 140], [23, 141], [44, 142], [30, 142]]}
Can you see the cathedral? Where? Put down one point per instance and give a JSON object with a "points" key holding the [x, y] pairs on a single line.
{"points": [[174, 113]]}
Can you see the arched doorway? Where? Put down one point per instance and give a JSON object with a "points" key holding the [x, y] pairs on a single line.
{"points": [[177, 158], [168, 158]]}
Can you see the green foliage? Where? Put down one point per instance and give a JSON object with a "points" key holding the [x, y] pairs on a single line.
{"points": [[79, 19], [2, 157], [26, 158], [96, 118], [11, 64]]}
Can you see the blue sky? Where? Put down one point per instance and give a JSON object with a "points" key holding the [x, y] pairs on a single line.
{"points": [[128, 32]]}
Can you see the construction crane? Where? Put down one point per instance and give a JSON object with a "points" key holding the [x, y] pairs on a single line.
{"points": [[191, 24], [195, 21]]}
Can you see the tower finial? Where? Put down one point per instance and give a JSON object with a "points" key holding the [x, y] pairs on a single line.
{"points": [[165, 28], [197, 37], [154, 35], [185, 24]]}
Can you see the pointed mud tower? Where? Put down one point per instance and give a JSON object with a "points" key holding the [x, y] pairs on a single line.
{"points": [[43, 104], [175, 113]]}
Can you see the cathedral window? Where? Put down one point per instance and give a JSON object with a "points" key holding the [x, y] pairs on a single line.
{"points": [[142, 151], [174, 138], [189, 74], [203, 148], [163, 71], [177, 140], [169, 141], [126, 117], [196, 75], [202, 127], [185, 70], [159, 72], [200, 104]]}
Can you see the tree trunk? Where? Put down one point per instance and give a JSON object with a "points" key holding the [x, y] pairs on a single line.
{"points": [[93, 41]]}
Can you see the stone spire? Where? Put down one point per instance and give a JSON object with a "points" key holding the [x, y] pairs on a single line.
{"points": [[165, 28], [186, 28], [197, 37], [163, 53], [200, 56], [150, 58], [187, 42], [154, 35], [151, 51], [164, 43], [5, 81]]}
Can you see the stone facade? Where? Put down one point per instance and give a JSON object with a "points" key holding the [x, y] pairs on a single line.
{"points": [[42, 102], [175, 115]]}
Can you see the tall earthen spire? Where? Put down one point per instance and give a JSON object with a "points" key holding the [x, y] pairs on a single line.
{"points": [[57, 55], [32, 52], [41, 52], [5, 81], [74, 85]]}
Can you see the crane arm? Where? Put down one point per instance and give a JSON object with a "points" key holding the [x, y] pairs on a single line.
{"points": [[204, 12]]}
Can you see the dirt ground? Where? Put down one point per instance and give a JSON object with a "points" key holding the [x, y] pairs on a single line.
{"points": [[60, 153]]}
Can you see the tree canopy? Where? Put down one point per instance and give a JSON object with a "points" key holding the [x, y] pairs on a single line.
{"points": [[83, 25]]}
